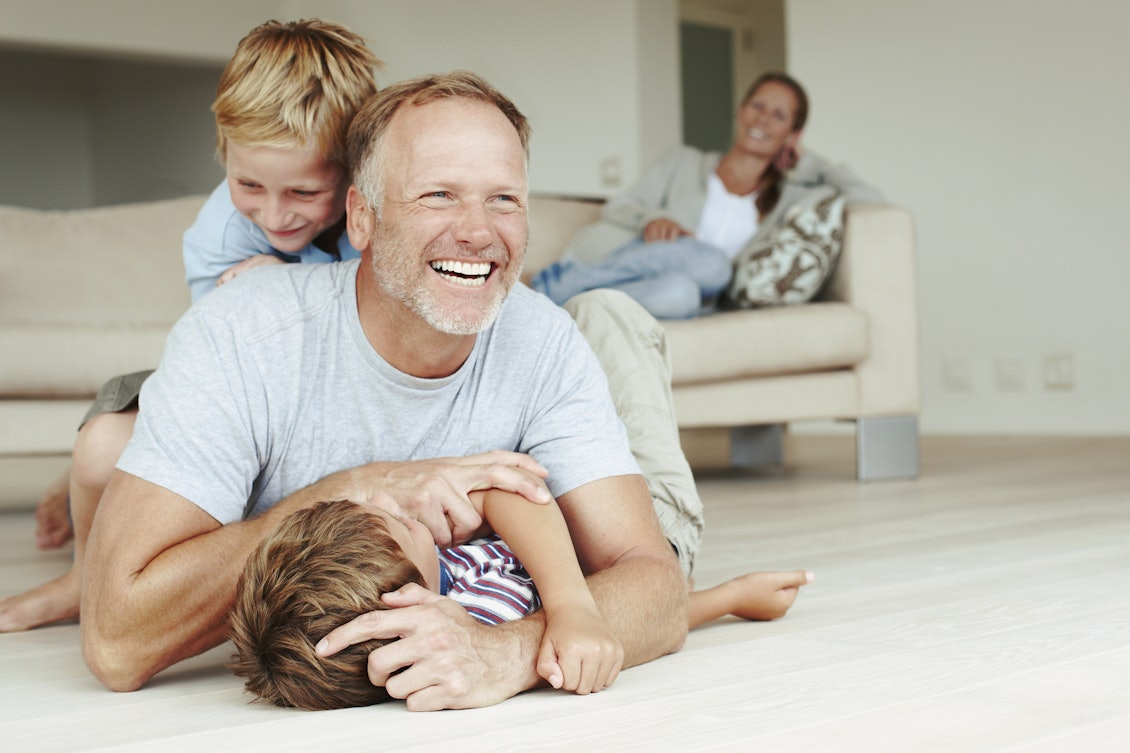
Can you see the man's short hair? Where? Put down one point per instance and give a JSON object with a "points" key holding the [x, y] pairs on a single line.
{"points": [[372, 121], [292, 85], [324, 566]]}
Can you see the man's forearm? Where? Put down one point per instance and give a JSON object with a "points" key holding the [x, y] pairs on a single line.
{"points": [[644, 600], [161, 578]]}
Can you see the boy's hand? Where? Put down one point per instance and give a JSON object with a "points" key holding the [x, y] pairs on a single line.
{"points": [[258, 260], [579, 652]]}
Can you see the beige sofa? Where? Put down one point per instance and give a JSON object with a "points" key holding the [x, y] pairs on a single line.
{"points": [[88, 294]]}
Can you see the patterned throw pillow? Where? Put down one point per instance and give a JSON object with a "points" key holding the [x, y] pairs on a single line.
{"points": [[792, 263]]}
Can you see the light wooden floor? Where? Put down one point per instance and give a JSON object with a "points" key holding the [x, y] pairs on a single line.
{"points": [[985, 607]]}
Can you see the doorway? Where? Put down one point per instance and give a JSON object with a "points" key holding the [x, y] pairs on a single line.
{"points": [[724, 45]]}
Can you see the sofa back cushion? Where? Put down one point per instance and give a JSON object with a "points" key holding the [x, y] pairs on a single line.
{"points": [[88, 294], [116, 265], [553, 222]]}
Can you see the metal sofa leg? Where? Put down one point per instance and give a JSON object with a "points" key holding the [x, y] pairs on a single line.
{"points": [[757, 446], [886, 448]]}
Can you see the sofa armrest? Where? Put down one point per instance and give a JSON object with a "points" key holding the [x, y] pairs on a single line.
{"points": [[876, 273]]}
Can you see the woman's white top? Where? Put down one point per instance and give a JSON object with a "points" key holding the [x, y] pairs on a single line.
{"points": [[728, 220]]}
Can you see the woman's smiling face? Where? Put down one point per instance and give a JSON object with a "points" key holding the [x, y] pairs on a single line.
{"points": [[765, 120]]}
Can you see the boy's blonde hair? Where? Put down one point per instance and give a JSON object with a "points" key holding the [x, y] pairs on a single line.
{"points": [[322, 567], [294, 84]]}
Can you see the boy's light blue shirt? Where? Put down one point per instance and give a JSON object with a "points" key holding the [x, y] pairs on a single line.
{"points": [[222, 237]]}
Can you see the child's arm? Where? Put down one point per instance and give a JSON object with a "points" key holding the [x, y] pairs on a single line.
{"points": [[579, 652]]}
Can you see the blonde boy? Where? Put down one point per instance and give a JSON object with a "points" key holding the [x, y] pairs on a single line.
{"points": [[283, 107]]}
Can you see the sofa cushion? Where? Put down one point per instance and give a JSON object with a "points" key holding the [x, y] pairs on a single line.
{"points": [[88, 294], [73, 360], [553, 223], [793, 339], [791, 263], [133, 250]]}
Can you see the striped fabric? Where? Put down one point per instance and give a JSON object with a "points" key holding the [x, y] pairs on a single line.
{"points": [[486, 578]]}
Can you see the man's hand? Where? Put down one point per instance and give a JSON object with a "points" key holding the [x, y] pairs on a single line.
{"points": [[663, 230], [444, 658], [437, 492], [579, 652], [258, 260]]}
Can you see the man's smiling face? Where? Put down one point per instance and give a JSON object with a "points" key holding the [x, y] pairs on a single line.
{"points": [[452, 231]]}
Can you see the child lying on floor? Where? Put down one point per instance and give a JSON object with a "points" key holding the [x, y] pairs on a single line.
{"points": [[332, 562]]}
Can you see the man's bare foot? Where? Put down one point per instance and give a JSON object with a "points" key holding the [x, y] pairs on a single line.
{"points": [[52, 515], [765, 596], [54, 601]]}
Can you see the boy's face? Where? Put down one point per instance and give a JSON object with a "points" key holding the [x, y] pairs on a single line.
{"points": [[293, 195], [416, 542]]}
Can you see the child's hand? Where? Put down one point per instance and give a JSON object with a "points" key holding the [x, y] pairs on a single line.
{"points": [[579, 652], [258, 260]]}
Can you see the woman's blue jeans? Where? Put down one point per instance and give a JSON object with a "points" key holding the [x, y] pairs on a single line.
{"points": [[671, 279]]}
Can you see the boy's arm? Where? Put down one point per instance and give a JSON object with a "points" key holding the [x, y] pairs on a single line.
{"points": [[579, 651]]}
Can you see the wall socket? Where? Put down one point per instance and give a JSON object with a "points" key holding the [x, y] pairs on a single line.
{"points": [[1059, 372], [1009, 374], [611, 173], [956, 376]]}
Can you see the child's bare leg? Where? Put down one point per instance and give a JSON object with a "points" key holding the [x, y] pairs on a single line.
{"points": [[100, 442], [52, 516], [753, 596]]}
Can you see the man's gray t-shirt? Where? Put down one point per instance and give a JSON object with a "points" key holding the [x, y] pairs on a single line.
{"points": [[269, 384]]}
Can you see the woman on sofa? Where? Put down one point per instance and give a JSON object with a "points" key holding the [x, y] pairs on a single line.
{"points": [[670, 241]]}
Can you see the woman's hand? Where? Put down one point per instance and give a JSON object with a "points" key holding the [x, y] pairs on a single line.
{"points": [[663, 229]]}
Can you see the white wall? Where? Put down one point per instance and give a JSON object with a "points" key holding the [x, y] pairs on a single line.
{"points": [[597, 78], [1002, 124], [200, 30]]}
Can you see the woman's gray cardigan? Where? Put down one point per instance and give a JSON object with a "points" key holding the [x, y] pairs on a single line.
{"points": [[675, 188]]}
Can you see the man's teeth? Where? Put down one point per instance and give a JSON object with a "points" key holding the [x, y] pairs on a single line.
{"points": [[464, 273]]}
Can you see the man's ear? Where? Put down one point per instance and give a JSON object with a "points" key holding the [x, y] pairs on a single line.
{"points": [[360, 219]]}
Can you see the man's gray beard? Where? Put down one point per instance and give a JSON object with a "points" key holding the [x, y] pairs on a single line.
{"points": [[429, 309]]}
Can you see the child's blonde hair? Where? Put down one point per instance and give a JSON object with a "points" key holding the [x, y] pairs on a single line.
{"points": [[294, 84]]}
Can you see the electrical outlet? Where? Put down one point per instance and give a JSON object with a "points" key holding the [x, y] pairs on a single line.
{"points": [[1059, 372], [610, 173], [1009, 375], [955, 375]]}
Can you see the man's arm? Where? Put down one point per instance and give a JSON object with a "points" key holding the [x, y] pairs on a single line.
{"points": [[634, 573], [444, 659], [160, 574], [160, 577]]}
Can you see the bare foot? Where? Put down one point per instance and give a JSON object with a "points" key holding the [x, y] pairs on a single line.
{"points": [[765, 596], [54, 601], [52, 515]]}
